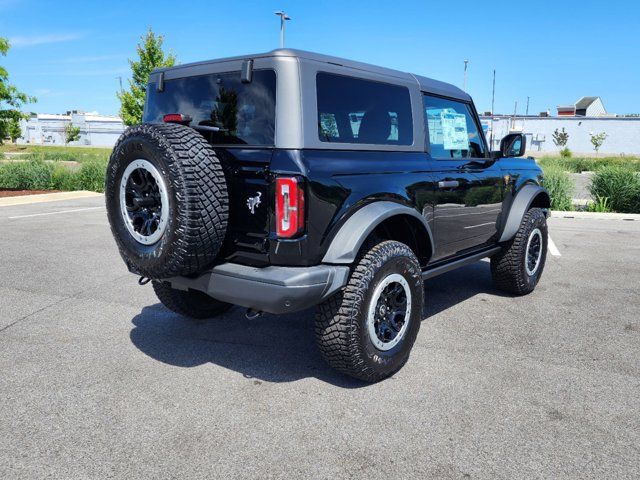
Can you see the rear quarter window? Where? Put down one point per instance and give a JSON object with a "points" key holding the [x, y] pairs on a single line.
{"points": [[353, 110], [242, 113]]}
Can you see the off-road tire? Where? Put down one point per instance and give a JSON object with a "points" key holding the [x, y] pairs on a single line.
{"points": [[341, 321], [189, 303], [508, 267], [197, 197]]}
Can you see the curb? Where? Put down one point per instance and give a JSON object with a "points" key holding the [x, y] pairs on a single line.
{"points": [[596, 216], [46, 197]]}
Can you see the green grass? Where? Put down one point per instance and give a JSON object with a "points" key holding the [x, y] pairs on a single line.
{"points": [[582, 164], [40, 175], [560, 188], [55, 153], [620, 185]]}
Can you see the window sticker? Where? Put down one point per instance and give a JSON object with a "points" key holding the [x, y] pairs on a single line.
{"points": [[454, 131], [435, 129]]}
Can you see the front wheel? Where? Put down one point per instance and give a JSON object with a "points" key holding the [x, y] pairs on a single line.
{"points": [[367, 329], [518, 267]]}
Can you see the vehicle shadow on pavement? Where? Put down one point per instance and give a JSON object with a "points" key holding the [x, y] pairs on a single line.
{"points": [[271, 348], [458, 285], [274, 348]]}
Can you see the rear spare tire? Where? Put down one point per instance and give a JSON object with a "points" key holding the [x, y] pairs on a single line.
{"points": [[166, 200]]}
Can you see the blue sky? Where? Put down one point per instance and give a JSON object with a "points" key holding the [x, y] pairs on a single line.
{"points": [[69, 53]]}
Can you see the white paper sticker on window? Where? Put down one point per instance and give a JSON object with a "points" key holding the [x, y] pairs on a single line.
{"points": [[454, 131]]}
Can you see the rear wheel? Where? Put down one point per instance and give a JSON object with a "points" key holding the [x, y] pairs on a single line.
{"points": [[367, 329], [518, 267], [189, 303]]}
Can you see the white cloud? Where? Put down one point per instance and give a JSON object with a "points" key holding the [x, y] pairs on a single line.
{"points": [[30, 41]]}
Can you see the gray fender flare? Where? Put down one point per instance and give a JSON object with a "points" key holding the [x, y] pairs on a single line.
{"points": [[347, 242], [519, 206]]}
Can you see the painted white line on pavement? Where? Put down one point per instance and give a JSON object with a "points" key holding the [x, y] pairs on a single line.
{"points": [[55, 213], [552, 248]]}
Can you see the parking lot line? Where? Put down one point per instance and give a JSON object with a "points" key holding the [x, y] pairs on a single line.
{"points": [[553, 249], [55, 213]]}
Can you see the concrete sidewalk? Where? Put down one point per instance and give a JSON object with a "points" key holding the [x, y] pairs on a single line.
{"points": [[46, 197]]}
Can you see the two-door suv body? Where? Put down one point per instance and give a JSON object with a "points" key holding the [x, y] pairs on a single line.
{"points": [[291, 179]]}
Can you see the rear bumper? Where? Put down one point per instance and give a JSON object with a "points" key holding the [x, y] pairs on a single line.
{"points": [[269, 289]]}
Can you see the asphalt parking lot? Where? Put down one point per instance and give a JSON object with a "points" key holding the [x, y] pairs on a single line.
{"points": [[97, 380]]}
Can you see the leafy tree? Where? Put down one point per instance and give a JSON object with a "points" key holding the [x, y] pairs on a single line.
{"points": [[14, 132], [71, 133], [560, 137], [11, 99], [151, 56], [597, 139]]}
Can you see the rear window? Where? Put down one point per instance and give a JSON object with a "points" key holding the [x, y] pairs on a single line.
{"points": [[222, 108], [352, 110]]}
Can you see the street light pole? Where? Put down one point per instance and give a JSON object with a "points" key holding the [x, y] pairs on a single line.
{"points": [[283, 17], [464, 85]]}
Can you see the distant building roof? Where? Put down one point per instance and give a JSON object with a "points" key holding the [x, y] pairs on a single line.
{"points": [[584, 102]]}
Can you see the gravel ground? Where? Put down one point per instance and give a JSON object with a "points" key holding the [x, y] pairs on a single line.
{"points": [[97, 380]]}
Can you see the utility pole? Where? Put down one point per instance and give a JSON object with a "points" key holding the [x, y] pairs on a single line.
{"points": [[283, 18], [120, 79], [527, 110], [464, 87]]}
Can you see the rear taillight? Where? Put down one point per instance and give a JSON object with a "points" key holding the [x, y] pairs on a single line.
{"points": [[177, 118], [289, 207]]}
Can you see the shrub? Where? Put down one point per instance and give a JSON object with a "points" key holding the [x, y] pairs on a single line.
{"points": [[63, 178], [600, 205], [39, 175], [621, 185], [560, 188], [33, 175], [91, 175], [565, 152]]}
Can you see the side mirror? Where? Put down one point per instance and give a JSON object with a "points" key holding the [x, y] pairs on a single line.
{"points": [[513, 145]]}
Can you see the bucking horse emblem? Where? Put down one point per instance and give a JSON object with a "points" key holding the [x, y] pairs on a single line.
{"points": [[253, 202]]}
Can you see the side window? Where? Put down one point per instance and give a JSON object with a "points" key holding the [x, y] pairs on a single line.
{"points": [[353, 110], [453, 133]]}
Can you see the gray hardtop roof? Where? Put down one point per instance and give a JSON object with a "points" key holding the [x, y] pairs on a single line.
{"points": [[425, 83]]}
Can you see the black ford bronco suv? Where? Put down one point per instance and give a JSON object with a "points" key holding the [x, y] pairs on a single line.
{"points": [[289, 179]]}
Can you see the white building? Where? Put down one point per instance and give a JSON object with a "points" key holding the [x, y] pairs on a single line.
{"points": [[48, 129], [622, 133]]}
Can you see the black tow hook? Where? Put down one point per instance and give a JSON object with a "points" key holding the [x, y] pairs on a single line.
{"points": [[252, 314], [143, 280]]}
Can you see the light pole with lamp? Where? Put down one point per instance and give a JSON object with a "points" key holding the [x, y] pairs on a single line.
{"points": [[283, 17]]}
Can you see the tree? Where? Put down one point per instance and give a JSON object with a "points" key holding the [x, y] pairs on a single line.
{"points": [[71, 133], [11, 99], [560, 138], [14, 132], [151, 56], [597, 139]]}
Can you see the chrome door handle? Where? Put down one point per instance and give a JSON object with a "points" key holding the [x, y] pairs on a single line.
{"points": [[449, 184]]}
